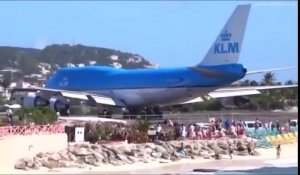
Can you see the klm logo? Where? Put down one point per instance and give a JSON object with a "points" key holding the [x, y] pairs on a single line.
{"points": [[226, 46]]}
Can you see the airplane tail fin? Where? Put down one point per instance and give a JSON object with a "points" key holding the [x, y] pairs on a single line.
{"points": [[227, 46]]}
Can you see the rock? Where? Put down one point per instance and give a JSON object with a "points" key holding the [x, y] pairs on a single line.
{"points": [[91, 160], [37, 163], [99, 157], [241, 147], [72, 157], [21, 164], [63, 164], [222, 144], [159, 142], [156, 154], [190, 147], [166, 156], [194, 152], [96, 147], [54, 157], [242, 153], [175, 158], [148, 150], [132, 159], [49, 163], [255, 153], [206, 156], [150, 145], [122, 157], [203, 143], [64, 155], [250, 147], [125, 149], [216, 149], [160, 149], [110, 154], [41, 155], [82, 151], [30, 164]]}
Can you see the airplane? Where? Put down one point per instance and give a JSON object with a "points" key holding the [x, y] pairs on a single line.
{"points": [[136, 89]]}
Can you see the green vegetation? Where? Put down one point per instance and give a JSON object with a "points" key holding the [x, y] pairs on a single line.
{"points": [[38, 115], [27, 59]]}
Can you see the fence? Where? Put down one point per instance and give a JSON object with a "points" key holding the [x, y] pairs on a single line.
{"points": [[31, 130], [206, 116]]}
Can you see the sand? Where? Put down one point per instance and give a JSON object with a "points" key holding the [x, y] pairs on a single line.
{"points": [[289, 152]]}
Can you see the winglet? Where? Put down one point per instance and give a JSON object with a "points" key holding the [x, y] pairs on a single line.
{"points": [[227, 46]]}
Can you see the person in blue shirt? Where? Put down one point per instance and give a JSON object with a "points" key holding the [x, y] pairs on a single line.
{"points": [[181, 149]]}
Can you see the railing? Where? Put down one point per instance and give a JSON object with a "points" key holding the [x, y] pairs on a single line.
{"points": [[31, 130]]}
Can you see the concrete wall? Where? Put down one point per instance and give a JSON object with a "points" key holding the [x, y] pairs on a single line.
{"points": [[13, 148]]}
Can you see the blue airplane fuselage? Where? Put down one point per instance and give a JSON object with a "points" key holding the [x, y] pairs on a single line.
{"points": [[136, 87]]}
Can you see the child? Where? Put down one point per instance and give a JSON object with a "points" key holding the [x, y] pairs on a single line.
{"points": [[278, 149]]}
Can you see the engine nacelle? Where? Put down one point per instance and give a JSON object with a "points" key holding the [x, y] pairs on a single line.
{"points": [[33, 100], [59, 104], [230, 102]]}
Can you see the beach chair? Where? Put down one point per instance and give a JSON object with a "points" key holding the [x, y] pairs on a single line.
{"points": [[291, 137], [271, 141], [282, 140]]}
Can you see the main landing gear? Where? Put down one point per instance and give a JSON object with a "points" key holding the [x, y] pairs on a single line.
{"points": [[144, 113]]}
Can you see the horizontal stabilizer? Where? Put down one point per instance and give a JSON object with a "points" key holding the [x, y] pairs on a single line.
{"points": [[268, 70]]}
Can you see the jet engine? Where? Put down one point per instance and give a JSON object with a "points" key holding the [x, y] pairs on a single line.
{"points": [[59, 104], [33, 100], [230, 102]]}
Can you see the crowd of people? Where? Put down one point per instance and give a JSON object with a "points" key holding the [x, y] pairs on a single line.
{"points": [[219, 128]]}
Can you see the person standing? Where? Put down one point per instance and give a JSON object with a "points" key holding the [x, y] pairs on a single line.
{"points": [[278, 151]]}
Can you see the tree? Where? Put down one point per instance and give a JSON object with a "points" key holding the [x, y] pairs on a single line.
{"points": [[269, 79]]}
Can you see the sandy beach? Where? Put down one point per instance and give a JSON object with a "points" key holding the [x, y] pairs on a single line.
{"points": [[289, 152]]}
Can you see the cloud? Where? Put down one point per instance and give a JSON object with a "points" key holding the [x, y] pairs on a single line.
{"points": [[276, 4]]}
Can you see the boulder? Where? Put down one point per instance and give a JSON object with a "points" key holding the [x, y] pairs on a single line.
{"points": [[242, 153], [81, 151], [91, 160], [132, 159], [166, 156], [72, 157], [160, 149], [30, 164], [54, 157], [49, 163], [123, 158], [150, 145], [222, 144], [21, 164], [156, 155], [41, 155]]}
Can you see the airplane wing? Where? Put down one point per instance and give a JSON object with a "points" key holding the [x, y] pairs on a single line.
{"points": [[268, 70], [237, 91], [99, 99]]}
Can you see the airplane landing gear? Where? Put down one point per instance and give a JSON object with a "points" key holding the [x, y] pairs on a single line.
{"points": [[147, 112]]}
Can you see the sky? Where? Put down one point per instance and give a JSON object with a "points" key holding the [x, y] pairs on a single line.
{"points": [[168, 33]]}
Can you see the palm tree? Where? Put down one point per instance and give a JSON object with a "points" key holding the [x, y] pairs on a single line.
{"points": [[269, 79]]}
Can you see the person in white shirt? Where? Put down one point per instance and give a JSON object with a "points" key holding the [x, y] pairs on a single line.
{"points": [[183, 134], [192, 132], [158, 131]]}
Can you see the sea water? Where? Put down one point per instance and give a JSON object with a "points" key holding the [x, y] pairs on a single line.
{"points": [[274, 167]]}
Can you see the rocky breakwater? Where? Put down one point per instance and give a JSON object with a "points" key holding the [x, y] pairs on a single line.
{"points": [[85, 155]]}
